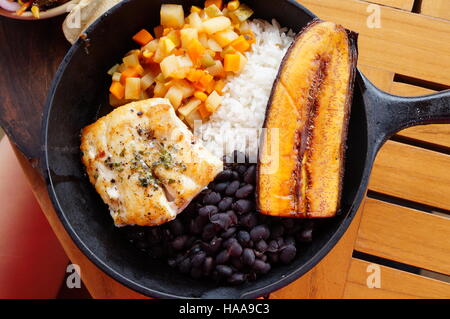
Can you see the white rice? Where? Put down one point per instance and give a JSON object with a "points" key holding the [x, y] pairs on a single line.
{"points": [[238, 122]]}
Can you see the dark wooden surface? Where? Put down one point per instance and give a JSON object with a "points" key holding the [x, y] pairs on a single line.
{"points": [[30, 52]]}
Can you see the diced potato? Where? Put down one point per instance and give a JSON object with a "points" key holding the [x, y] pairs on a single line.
{"points": [[213, 45], [242, 61], [131, 60], [160, 89], [217, 69], [172, 15], [213, 11], [113, 70], [224, 38], [203, 38], [243, 12], [115, 102], [195, 21], [216, 24], [121, 68], [213, 102], [116, 76], [174, 36], [207, 61], [187, 36], [133, 88], [176, 66], [151, 46], [147, 80], [186, 89], [168, 45], [192, 118], [189, 107], [175, 96]]}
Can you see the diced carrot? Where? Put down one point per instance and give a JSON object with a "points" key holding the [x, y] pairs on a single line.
{"points": [[220, 84], [166, 31], [201, 96], [232, 62], [218, 3], [159, 31], [204, 113], [198, 86], [195, 50], [194, 75], [240, 44], [117, 90], [210, 86], [143, 37], [206, 79], [131, 72]]}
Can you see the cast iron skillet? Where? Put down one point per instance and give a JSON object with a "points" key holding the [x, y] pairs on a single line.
{"points": [[79, 96]]}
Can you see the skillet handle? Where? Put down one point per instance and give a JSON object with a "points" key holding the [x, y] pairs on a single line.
{"points": [[387, 114]]}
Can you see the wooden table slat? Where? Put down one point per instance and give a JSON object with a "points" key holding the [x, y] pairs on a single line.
{"points": [[404, 40], [400, 4], [394, 284], [436, 8], [412, 173], [422, 240]]}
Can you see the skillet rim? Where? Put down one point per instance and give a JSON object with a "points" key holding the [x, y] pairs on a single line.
{"points": [[135, 285]]}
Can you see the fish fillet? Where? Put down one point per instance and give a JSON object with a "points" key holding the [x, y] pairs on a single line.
{"points": [[145, 163]]}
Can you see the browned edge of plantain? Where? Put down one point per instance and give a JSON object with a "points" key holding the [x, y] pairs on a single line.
{"points": [[352, 38]]}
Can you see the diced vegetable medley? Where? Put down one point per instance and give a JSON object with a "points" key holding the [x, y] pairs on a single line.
{"points": [[187, 59]]}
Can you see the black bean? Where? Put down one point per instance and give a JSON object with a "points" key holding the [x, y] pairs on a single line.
{"points": [[208, 210], [185, 266], [230, 241], [198, 259], [273, 246], [225, 203], [249, 220], [213, 246], [242, 206], [209, 231], [222, 257], [243, 237], [179, 242], [261, 245], [244, 191], [263, 257], [196, 272], [241, 169], [223, 176], [288, 254], [211, 198], [235, 249], [232, 188], [260, 232], [248, 256], [233, 217], [224, 270], [157, 251], [261, 267], [250, 175], [176, 227], [235, 176], [221, 187], [228, 233], [208, 265], [236, 262], [236, 278], [221, 221], [197, 225]]}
